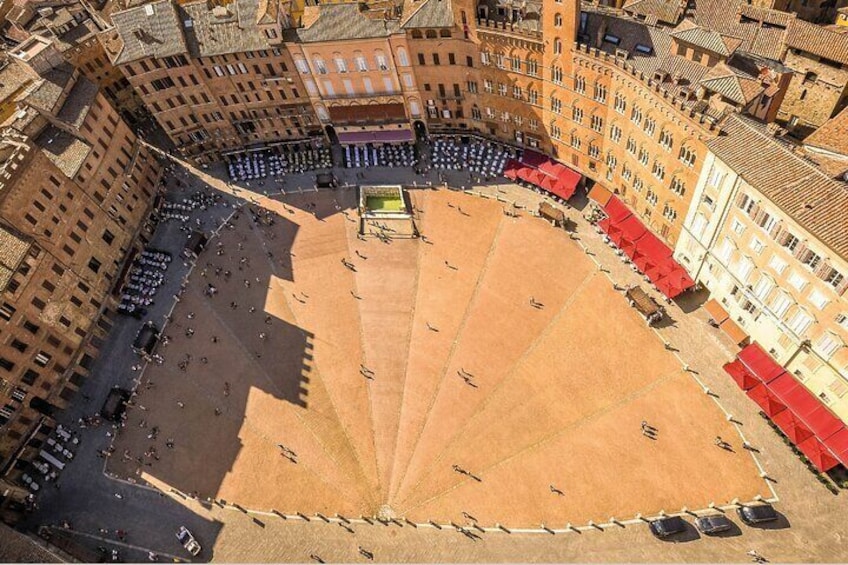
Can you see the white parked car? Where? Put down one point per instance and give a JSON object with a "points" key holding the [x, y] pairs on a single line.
{"points": [[184, 536]]}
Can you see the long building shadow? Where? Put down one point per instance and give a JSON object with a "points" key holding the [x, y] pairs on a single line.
{"points": [[235, 404]]}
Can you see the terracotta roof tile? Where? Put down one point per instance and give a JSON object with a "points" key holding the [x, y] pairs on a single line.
{"points": [[150, 30], [708, 39], [67, 152], [338, 22], [431, 14], [13, 249], [667, 11], [799, 188], [832, 135], [818, 41]]}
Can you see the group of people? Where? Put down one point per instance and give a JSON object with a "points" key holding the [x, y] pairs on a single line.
{"points": [[483, 158], [147, 275], [277, 161], [181, 210], [381, 155]]}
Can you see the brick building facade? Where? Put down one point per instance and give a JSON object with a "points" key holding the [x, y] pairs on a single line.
{"points": [[212, 85], [77, 188], [775, 259]]}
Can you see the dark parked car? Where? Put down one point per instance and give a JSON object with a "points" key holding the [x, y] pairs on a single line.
{"points": [[713, 524], [757, 514], [668, 526]]}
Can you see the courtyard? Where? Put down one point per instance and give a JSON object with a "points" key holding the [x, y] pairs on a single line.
{"points": [[488, 370]]}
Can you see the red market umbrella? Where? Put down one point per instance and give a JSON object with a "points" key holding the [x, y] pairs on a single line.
{"points": [[644, 262], [792, 426], [675, 282], [628, 247], [818, 454], [766, 400], [743, 378]]}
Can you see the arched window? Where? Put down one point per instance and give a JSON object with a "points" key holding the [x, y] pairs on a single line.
{"points": [[557, 20], [341, 64], [301, 66], [416, 34], [320, 67], [431, 34], [687, 156], [403, 60], [666, 139], [414, 108], [444, 33], [380, 60], [557, 46], [361, 61]]}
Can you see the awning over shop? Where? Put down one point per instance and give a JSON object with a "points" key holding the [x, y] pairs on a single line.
{"points": [[808, 423], [733, 331], [818, 454], [792, 426], [838, 444], [368, 113], [648, 252], [766, 400], [716, 311], [511, 169], [629, 229], [545, 173], [600, 195], [379, 136], [760, 363]]}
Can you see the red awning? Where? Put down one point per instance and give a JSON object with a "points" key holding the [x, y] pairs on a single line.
{"points": [[605, 225], [838, 445], [675, 282], [552, 168], [383, 136], [547, 174], [818, 454], [792, 426], [511, 169], [820, 420], [643, 261], [814, 429], [759, 363], [616, 209], [650, 255], [632, 230], [740, 374], [653, 247], [566, 184], [766, 400], [533, 158]]}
